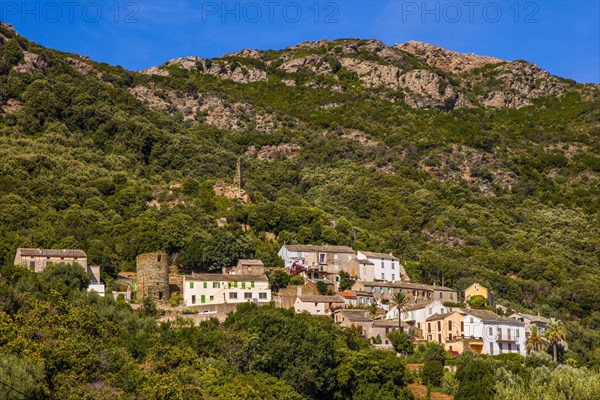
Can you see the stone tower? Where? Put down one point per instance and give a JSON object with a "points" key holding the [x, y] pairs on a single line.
{"points": [[238, 181], [152, 276]]}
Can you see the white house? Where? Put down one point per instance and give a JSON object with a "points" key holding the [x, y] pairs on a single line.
{"points": [[318, 305], [529, 320], [386, 267], [96, 284], [498, 334], [207, 289]]}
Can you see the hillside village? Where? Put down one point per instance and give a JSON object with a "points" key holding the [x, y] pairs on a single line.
{"points": [[361, 290]]}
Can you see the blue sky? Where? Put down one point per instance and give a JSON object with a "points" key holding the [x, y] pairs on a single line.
{"points": [[560, 36]]}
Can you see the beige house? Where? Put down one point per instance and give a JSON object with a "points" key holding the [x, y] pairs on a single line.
{"points": [[532, 320], [361, 269], [246, 267], [37, 260], [368, 327], [96, 284], [318, 262], [318, 305]]}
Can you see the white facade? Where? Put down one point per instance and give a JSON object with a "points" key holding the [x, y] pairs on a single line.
{"points": [[386, 267], [207, 289], [499, 336], [419, 313], [96, 284]]}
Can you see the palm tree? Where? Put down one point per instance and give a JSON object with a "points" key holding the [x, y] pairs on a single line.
{"points": [[400, 299], [535, 341], [555, 333]]}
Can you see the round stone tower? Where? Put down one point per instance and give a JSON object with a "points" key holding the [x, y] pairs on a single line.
{"points": [[152, 276]]}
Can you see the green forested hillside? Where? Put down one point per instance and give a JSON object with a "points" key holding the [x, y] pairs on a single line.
{"points": [[118, 163]]}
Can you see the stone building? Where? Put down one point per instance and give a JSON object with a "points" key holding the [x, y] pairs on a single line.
{"points": [[152, 276], [37, 260]]}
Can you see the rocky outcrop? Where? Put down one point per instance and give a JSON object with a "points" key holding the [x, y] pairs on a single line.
{"points": [[10, 106], [208, 109], [222, 69], [445, 60], [517, 83], [31, 62], [231, 192], [475, 167], [314, 63], [287, 151]]}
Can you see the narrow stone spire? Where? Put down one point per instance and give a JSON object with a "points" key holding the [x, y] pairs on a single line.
{"points": [[239, 176]]}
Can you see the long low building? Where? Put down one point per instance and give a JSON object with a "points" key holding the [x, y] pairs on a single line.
{"points": [[37, 260], [318, 304], [416, 292], [199, 289]]}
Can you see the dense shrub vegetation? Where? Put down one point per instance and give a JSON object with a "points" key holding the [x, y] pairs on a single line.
{"points": [[82, 159]]}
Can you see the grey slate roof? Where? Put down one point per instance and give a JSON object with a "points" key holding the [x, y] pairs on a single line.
{"points": [[385, 256], [226, 278], [321, 249], [51, 252], [251, 262], [408, 285], [321, 299]]}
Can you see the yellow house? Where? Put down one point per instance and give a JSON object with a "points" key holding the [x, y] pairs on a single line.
{"points": [[476, 290]]}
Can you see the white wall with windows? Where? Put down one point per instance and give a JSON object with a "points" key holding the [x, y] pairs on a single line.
{"points": [[209, 289]]}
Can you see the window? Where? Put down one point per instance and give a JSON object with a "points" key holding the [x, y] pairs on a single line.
{"points": [[382, 264], [235, 284], [490, 331], [393, 277], [216, 285], [191, 285], [510, 347], [204, 285], [160, 295], [247, 295], [441, 295], [193, 299], [262, 296], [429, 327], [500, 347], [462, 326], [159, 258], [451, 296], [337, 278], [252, 284], [430, 310], [212, 298], [491, 348], [439, 338], [393, 266], [382, 276], [232, 295], [449, 324], [439, 326], [203, 299], [321, 258], [228, 285], [243, 285]]}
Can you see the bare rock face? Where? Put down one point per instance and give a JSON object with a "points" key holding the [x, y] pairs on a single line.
{"points": [[10, 106], [426, 90], [473, 166], [221, 69], [445, 60], [270, 153], [31, 62], [231, 192], [83, 67], [520, 82], [313, 63], [247, 53], [208, 109]]}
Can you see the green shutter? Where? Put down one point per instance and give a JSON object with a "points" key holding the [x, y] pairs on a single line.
{"points": [[191, 285], [234, 284], [212, 298], [243, 285], [229, 285], [205, 285], [252, 284], [203, 299]]}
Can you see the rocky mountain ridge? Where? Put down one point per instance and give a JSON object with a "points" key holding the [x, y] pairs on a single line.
{"points": [[420, 74]]}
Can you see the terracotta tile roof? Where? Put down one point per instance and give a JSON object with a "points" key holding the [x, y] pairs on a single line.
{"points": [[348, 294]]}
